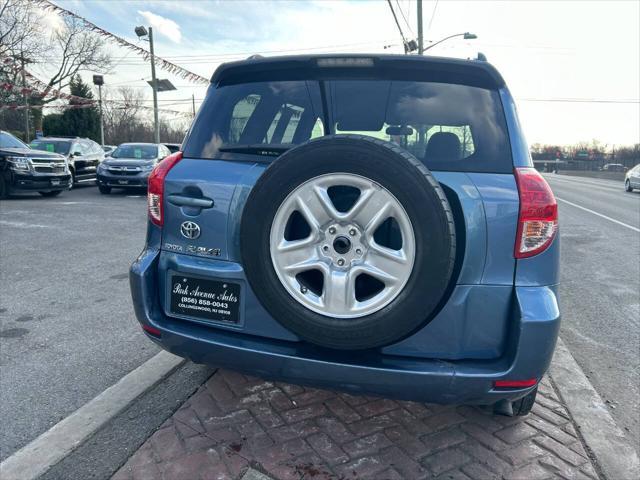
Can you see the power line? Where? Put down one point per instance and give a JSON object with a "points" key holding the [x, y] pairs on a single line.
{"points": [[215, 56], [404, 40], [224, 55], [404, 18], [433, 15]]}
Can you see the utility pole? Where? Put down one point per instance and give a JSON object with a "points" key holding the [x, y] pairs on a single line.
{"points": [[420, 34], [193, 104], [101, 121], [26, 99], [154, 86]]}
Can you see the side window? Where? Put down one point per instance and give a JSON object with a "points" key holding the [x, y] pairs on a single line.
{"points": [[242, 111], [78, 147], [85, 147]]}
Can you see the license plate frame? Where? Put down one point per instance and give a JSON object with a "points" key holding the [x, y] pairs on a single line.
{"points": [[55, 182], [204, 300], [123, 182]]}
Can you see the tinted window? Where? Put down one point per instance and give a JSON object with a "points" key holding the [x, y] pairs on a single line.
{"points": [[9, 141], [447, 126], [80, 147], [269, 113], [133, 150], [57, 146]]}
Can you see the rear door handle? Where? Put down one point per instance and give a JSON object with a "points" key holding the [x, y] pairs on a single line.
{"points": [[184, 201]]}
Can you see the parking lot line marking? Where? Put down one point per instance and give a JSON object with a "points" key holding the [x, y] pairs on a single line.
{"points": [[631, 227], [23, 224], [55, 444]]}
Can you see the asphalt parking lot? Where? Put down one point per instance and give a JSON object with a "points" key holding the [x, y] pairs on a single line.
{"points": [[67, 327], [68, 332]]}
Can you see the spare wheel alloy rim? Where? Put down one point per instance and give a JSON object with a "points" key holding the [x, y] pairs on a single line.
{"points": [[339, 267]]}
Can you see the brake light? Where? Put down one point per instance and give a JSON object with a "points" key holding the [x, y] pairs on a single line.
{"points": [[515, 383], [538, 218], [155, 190]]}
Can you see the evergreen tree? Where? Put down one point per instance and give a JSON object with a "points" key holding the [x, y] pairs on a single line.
{"points": [[81, 122]]}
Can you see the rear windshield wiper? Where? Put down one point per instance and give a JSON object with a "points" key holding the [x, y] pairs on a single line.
{"points": [[257, 149]]}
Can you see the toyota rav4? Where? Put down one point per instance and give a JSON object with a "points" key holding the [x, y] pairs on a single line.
{"points": [[366, 223]]}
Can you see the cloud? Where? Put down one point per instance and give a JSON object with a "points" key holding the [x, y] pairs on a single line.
{"points": [[164, 26]]}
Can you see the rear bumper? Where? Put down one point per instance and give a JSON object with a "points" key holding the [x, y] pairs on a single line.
{"points": [[107, 179], [528, 352], [39, 183]]}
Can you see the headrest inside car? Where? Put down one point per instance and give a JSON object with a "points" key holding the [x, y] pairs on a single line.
{"points": [[443, 146]]}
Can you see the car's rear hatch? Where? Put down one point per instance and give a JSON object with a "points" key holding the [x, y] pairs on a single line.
{"points": [[279, 110]]}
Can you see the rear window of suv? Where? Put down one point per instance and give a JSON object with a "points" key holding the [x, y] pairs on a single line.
{"points": [[449, 127], [57, 146]]}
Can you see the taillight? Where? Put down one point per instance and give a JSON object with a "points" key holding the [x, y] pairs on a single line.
{"points": [[155, 190], [515, 383], [538, 219]]}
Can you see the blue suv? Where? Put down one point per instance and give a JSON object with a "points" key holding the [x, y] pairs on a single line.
{"points": [[372, 224]]}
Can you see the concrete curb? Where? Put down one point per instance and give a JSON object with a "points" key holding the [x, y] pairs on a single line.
{"points": [[52, 446], [616, 458]]}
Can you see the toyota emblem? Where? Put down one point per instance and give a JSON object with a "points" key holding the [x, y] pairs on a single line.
{"points": [[190, 230]]}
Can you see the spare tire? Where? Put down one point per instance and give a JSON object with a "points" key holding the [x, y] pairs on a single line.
{"points": [[348, 241]]}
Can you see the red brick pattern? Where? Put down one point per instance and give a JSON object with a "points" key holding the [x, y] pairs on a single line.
{"points": [[234, 423]]}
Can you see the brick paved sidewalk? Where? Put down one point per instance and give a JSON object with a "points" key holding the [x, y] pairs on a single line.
{"points": [[236, 423]]}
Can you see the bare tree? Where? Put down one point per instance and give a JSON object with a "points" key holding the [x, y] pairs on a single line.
{"points": [[128, 119], [123, 114], [21, 39], [20, 29], [74, 48]]}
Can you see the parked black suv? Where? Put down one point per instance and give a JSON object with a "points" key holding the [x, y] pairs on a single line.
{"points": [[84, 155], [25, 170]]}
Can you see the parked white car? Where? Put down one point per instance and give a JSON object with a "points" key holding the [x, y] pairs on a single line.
{"points": [[632, 179]]}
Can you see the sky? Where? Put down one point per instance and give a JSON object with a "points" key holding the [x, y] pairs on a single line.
{"points": [[573, 67]]}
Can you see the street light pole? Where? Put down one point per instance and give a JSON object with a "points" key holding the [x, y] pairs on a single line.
{"points": [[466, 35], [154, 86], [99, 81], [101, 121], [420, 34], [26, 99]]}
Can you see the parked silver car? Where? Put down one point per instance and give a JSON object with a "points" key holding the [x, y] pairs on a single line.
{"points": [[632, 179], [129, 166]]}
